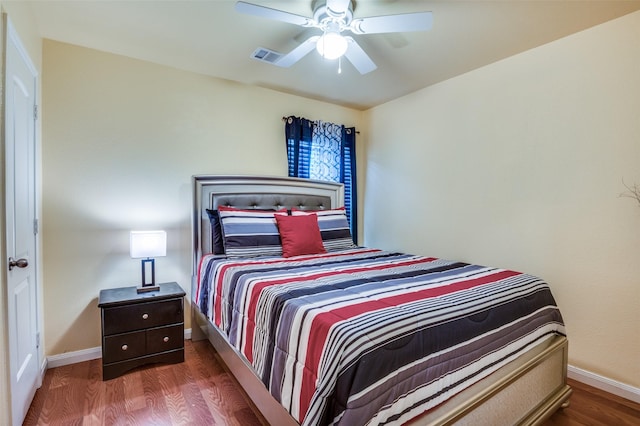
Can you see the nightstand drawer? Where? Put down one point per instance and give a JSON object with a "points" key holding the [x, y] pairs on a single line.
{"points": [[124, 346], [165, 338], [142, 315]]}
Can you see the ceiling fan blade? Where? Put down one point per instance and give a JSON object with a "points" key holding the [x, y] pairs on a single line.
{"points": [[298, 53], [419, 21], [267, 12], [358, 57], [338, 6]]}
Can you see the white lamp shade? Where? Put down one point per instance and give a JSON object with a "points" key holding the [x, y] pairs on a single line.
{"points": [[148, 244], [331, 45]]}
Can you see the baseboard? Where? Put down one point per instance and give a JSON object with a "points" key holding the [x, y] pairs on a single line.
{"points": [[43, 370], [603, 383], [74, 357]]}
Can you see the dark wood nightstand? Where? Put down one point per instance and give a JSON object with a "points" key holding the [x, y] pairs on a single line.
{"points": [[141, 328]]}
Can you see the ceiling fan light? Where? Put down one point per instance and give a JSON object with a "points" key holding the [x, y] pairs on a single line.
{"points": [[331, 45]]}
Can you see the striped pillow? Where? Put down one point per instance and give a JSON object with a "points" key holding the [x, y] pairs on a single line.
{"points": [[248, 233], [334, 228]]}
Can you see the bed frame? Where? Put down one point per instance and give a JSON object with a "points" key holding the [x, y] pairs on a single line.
{"points": [[526, 391]]}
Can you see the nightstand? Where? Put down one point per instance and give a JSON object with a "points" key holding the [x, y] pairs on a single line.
{"points": [[141, 328]]}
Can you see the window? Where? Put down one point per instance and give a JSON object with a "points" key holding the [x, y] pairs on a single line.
{"points": [[324, 151]]}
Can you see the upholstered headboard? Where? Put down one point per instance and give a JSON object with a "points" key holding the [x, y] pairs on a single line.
{"points": [[254, 192]]}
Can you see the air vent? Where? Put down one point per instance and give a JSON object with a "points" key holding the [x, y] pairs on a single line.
{"points": [[266, 55]]}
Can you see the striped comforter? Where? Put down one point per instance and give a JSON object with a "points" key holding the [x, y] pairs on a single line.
{"points": [[365, 336]]}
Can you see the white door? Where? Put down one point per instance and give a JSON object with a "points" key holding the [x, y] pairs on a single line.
{"points": [[22, 297]]}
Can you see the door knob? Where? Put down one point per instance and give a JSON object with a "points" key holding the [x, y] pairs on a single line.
{"points": [[20, 263]]}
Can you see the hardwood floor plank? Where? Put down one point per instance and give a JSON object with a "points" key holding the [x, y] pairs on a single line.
{"points": [[133, 392], [216, 405], [591, 406], [54, 409], [154, 397], [33, 414], [92, 419], [201, 391], [60, 377], [175, 402], [94, 401], [195, 403], [114, 405]]}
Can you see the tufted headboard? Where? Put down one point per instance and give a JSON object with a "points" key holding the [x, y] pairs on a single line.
{"points": [[254, 192]]}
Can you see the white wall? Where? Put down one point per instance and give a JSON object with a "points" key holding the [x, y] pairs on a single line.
{"points": [[520, 164], [121, 140]]}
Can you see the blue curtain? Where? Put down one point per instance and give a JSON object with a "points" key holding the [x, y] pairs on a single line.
{"points": [[324, 151], [299, 133]]}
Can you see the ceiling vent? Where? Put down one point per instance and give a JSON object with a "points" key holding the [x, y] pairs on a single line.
{"points": [[266, 55]]}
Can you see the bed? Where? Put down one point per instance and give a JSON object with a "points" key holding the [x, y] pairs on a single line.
{"points": [[352, 335]]}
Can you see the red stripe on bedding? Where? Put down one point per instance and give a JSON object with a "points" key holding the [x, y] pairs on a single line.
{"points": [[219, 278], [323, 322], [258, 287]]}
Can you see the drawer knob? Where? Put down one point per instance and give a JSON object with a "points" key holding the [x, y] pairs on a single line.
{"points": [[125, 347], [166, 339], [145, 316]]}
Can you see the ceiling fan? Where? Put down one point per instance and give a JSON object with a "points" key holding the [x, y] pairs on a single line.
{"points": [[333, 17]]}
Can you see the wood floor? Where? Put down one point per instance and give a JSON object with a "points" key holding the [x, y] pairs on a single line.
{"points": [[591, 406], [201, 392], [198, 391]]}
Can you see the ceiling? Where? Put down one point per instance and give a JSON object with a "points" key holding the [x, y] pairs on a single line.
{"points": [[210, 37]]}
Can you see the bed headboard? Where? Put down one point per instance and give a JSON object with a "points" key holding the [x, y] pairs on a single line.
{"points": [[254, 192]]}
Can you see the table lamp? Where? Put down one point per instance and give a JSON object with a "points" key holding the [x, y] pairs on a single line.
{"points": [[146, 245]]}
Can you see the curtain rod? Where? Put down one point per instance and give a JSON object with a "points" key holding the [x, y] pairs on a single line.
{"points": [[285, 119]]}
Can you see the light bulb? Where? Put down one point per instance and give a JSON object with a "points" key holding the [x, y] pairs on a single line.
{"points": [[331, 45]]}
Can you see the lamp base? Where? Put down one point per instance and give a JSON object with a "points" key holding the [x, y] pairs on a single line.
{"points": [[147, 288]]}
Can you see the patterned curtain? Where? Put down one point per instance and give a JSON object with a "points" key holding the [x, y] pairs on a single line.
{"points": [[324, 151]]}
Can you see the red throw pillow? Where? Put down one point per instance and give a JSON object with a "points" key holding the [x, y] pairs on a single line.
{"points": [[300, 235]]}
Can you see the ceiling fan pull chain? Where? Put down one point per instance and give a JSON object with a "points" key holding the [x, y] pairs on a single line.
{"points": [[340, 65]]}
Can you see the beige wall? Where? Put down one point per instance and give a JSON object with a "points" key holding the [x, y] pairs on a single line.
{"points": [[520, 164], [122, 138]]}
